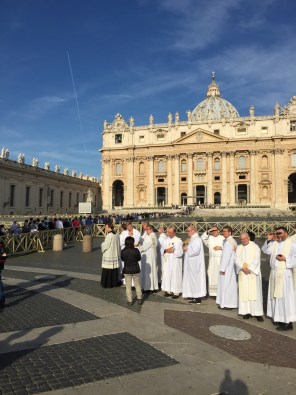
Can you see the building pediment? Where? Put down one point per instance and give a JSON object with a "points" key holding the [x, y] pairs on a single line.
{"points": [[200, 135]]}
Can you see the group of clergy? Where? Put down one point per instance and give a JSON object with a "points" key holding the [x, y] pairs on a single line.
{"points": [[234, 274]]}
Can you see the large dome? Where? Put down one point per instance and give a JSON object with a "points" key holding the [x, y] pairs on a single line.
{"points": [[214, 107]]}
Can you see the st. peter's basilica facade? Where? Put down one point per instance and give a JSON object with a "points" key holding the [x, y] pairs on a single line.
{"points": [[214, 157]]}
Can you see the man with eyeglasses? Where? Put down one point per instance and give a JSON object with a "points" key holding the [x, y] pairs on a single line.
{"points": [[247, 261], [214, 241], [227, 295], [281, 302]]}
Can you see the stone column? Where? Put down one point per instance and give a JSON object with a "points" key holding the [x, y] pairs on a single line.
{"points": [[176, 198], [224, 197], [253, 180], [210, 197], [189, 179], [107, 186], [170, 181], [129, 200], [151, 188], [278, 179], [231, 178]]}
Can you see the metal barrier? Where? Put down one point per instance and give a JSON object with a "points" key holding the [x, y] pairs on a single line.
{"points": [[26, 243]]}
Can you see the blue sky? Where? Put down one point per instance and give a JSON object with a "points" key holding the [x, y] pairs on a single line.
{"points": [[134, 57]]}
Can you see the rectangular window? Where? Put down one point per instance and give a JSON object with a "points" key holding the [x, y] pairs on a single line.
{"points": [[70, 199], [241, 130], [40, 197], [217, 178], [183, 134], [61, 199], [216, 131], [27, 202], [141, 139], [292, 126], [242, 177], [160, 137], [264, 129], [160, 180], [118, 138], [12, 195], [184, 179]]}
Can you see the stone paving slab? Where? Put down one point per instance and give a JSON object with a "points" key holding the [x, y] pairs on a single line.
{"points": [[264, 346], [77, 362], [27, 309]]}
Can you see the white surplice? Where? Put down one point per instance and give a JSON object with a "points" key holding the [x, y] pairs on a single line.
{"points": [[149, 278], [160, 257], [227, 293], [194, 272], [249, 285], [172, 266], [281, 303], [214, 260]]}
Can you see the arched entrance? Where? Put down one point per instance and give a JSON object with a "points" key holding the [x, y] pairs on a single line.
{"points": [[161, 196], [118, 193], [200, 194], [217, 198], [292, 188]]}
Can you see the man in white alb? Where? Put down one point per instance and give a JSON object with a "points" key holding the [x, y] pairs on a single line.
{"points": [[247, 261], [281, 303], [214, 241], [149, 278], [172, 267], [194, 274], [227, 294]]}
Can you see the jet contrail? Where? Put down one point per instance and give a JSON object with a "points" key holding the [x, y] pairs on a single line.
{"points": [[78, 111]]}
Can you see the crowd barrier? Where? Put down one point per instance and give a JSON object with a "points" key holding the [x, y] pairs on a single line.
{"points": [[26, 243]]}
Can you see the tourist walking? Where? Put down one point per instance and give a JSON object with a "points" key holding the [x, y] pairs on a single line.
{"points": [[194, 274], [247, 261], [214, 241], [281, 303], [131, 270], [227, 293], [111, 258]]}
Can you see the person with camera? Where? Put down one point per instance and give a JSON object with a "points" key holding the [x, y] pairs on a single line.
{"points": [[281, 301]]}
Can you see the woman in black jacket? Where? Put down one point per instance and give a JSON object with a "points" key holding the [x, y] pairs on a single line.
{"points": [[131, 257]]}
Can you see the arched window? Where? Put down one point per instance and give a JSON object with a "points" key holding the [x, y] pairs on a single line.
{"points": [[183, 166], [161, 166], [293, 160], [141, 168], [265, 191], [241, 162], [264, 162], [216, 164], [142, 194], [200, 164], [118, 169]]}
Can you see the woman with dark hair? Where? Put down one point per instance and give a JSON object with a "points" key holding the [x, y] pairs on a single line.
{"points": [[111, 258], [131, 257]]}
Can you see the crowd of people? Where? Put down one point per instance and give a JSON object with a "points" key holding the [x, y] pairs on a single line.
{"points": [[159, 260]]}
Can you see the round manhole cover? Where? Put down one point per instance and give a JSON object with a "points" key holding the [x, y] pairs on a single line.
{"points": [[230, 332]]}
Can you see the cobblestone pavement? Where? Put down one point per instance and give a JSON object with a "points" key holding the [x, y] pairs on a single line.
{"points": [[78, 362], [264, 347]]}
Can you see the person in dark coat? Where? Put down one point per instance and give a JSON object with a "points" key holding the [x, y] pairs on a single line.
{"points": [[131, 270]]}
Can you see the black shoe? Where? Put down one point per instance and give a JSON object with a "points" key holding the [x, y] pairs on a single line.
{"points": [[167, 294], [259, 318], [129, 303], [195, 301], [175, 296], [285, 327], [140, 301], [246, 316]]}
